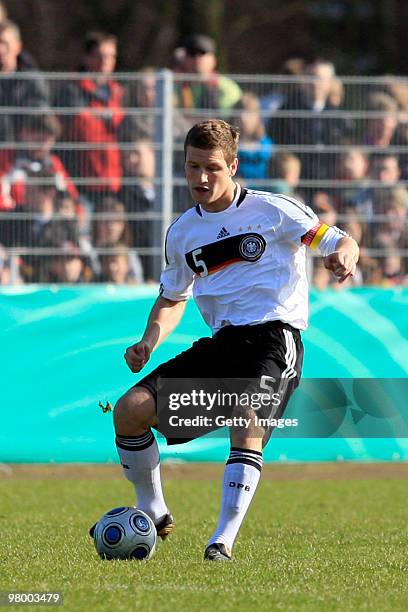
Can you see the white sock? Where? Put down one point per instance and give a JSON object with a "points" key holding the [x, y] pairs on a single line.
{"points": [[140, 459], [241, 477]]}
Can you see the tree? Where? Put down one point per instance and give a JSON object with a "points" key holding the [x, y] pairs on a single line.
{"points": [[253, 37]]}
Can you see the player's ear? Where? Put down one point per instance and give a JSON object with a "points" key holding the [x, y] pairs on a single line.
{"points": [[234, 167]]}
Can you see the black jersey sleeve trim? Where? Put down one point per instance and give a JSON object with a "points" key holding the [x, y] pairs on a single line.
{"points": [[242, 197], [167, 235], [165, 246], [298, 205]]}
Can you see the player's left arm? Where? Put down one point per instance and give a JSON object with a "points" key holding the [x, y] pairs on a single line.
{"points": [[298, 222], [344, 259], [340, 251]]}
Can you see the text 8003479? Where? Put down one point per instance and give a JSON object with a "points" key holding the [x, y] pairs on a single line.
{"points": [[44, 598]]}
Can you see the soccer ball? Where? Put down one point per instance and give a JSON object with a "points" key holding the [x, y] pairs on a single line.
{"points": [[125, 533]]}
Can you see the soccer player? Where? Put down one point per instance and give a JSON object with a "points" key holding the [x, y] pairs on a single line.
{"points": [[242, 253]]}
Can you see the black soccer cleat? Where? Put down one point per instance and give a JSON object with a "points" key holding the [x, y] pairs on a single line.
{"points": [[217, 552], [165, 526]]}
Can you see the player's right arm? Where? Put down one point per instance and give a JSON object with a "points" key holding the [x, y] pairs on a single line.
{"points": [[164, 317], [176, 284]]}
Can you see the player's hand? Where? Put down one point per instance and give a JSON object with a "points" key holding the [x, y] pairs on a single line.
{"points": [[342, 265], [137, 355]]}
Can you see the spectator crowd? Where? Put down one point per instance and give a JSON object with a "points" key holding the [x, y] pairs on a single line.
{"points": [[79, 184]]}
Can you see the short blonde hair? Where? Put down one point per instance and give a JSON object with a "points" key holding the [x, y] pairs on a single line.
{"points": [[214, 134]]}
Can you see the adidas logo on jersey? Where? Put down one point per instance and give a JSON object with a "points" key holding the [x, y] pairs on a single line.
{"points": [[222, 233]]}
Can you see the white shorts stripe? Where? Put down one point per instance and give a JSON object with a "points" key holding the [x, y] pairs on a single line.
{"points": [[290, 358]]}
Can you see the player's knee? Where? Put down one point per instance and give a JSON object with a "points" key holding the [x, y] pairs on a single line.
{"points": [[250, 438], [134, 412], [239, 439]]}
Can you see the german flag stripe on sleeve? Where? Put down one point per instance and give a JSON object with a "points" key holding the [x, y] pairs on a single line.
{"points": [[313, 237]]}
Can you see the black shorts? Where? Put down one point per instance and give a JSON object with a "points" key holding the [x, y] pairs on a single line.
{"points": [[245, 354]]}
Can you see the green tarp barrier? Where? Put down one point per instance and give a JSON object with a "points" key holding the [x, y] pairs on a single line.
{"points": [[62, 352]]}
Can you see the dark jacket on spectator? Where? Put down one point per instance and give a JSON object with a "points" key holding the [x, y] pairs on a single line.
{"points": [[315, 129], [142, 230], [15, 91], [25, 61]]}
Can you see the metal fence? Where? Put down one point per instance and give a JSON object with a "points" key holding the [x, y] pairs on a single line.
{"points": [[91, 170]]}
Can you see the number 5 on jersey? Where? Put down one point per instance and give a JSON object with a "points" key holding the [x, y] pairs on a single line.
{"points": [[200, 263]]}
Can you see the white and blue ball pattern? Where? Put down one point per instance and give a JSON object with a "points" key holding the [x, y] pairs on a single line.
{"points": [[125, 533]]}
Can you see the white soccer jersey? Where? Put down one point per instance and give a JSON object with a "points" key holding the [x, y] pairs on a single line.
{"points": [[247, 263]]}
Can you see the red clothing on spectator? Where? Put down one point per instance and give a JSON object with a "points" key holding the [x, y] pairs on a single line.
{"points": [[13, 178], [96, 122]]}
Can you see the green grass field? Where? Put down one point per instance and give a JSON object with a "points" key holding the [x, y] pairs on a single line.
{"points": [[318, 543]]}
